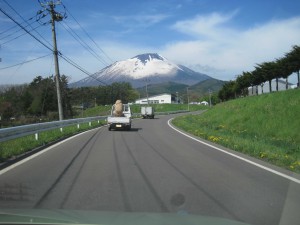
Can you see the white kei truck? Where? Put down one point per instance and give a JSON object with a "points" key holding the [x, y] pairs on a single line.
{"points": [[147, 112], [122, 122]]}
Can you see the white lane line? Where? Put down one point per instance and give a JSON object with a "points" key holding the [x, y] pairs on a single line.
{"points": [[39, 153], [236, 156]]}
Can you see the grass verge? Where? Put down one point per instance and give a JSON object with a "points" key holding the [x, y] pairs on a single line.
{"points": [[265, 127], [16, 147]]}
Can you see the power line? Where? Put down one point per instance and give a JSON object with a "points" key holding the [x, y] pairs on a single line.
{"points": [[13, 27], [19, 35], [83, 43], [68, 60], [27, 23], [88, 35], [22, 63], [64, 57], [14, 32], [25, 29]]}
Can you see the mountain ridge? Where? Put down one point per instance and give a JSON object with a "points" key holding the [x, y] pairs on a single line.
{"points": [[196, 91], [148, 68]]}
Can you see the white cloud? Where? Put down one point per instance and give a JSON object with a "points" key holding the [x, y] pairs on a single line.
{"points": [[228, 51], [140, 20], [213, 46], [209, 26]]}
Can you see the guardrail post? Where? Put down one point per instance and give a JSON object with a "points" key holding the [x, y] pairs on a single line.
{"points": [[36, 135], [61, 129], [78, 125]]}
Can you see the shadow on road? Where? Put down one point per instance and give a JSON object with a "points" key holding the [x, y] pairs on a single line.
{"points": [[131, 130], [135, 129]]}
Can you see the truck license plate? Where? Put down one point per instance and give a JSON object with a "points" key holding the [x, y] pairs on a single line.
{"points": [[118, 125]]}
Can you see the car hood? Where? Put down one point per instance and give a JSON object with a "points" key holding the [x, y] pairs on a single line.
{"points": [[39, 216]]}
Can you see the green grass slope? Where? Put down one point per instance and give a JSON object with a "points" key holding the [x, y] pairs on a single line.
{"points": [[266, 127]]}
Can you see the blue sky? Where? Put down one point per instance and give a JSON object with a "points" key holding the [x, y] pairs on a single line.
{"points": [[215, 37]]}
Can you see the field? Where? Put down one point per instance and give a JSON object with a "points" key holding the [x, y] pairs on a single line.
{"points": [[266, 127]]}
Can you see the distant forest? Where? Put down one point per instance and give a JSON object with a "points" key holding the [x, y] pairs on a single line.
{"points": [[37, 101]]}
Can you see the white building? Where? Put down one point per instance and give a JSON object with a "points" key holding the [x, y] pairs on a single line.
{"points": [[157, 99], [266, 89], [204, 103]]}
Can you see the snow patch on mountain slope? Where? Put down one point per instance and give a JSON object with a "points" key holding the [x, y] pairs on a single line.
{"points": [[137, 68], [150, 66]]}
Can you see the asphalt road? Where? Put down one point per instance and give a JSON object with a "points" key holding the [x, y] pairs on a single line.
{"points": [[151, 168]]}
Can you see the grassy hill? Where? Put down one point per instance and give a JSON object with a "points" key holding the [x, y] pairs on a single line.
{"points": [[265, 126], [198, 89], [168, 87]]}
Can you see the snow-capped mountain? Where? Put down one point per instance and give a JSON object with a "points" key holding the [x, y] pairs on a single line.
{"points": [[151, 68]]}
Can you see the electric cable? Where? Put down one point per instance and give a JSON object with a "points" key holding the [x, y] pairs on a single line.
{"points": [[14, 32], [68, 60], [15, 26], [19, 35], [83, 44], [88, 34], [22, 63], [26, 22], [5, 13]]}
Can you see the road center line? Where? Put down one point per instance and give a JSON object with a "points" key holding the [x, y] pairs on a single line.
{"points": [[236, 156]]}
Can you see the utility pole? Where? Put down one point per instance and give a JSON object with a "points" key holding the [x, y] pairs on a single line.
{"points": [[209, 97], [188, 99], [55, 16], [147, 90]]}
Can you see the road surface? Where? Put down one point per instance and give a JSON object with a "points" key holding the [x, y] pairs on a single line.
{"points": [[151, 168]]}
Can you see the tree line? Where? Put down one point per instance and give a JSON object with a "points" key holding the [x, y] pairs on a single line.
{"points": [[36, 101], [263, 72]]}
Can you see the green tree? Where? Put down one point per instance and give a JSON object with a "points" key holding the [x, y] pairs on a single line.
{"points": [[228, 91], [293, 61], [285, 69], [268, 72], [44, 96]]}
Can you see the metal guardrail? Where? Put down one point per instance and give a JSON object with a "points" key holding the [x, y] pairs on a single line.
{"points": [[21, 131]]}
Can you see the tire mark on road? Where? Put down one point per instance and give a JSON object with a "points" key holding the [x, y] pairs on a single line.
{"points": [[220, 204], [71, 186], [44, 196], [120, 178], [162, 205]]}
